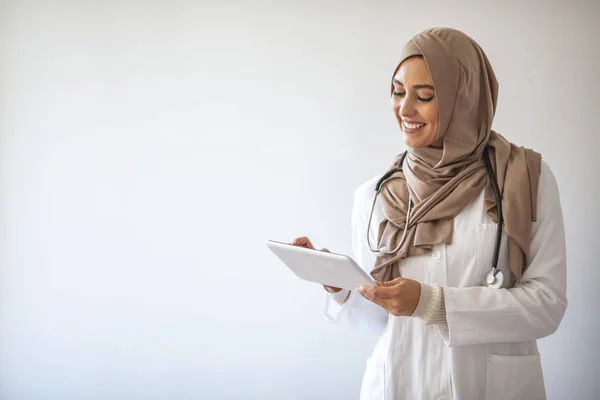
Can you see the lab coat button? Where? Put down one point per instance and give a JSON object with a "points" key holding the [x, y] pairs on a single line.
{"points": [[436, 255]]}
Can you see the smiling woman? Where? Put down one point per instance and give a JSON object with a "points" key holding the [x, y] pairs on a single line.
{"points": [[459, 188]]}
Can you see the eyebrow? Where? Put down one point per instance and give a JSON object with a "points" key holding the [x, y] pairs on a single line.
{"points": [[414, 86]]}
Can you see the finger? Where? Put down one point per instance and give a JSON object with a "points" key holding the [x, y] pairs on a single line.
{"points": [[366, 292], [381, 292], [393, 282], [298, 241], [302, 241], [308, 243], [325, 250], [374, 293], [385, 304]]}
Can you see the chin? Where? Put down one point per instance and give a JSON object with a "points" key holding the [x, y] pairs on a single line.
{"points": [[415, 144], [417, 141]]}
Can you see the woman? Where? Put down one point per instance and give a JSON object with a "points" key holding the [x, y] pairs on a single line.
{"points": [[444, 332]]}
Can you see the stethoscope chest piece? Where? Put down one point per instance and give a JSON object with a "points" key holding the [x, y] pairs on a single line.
{"points": [[495, 281]]}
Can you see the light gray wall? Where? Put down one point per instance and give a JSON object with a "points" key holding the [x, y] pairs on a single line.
{"points": [[147, 150]]}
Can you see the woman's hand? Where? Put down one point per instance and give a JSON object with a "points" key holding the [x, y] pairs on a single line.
{"points": [[399, 297], [305, 242]]}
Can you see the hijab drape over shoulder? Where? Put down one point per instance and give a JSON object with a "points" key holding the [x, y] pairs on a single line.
{"points": [[443, 181]]}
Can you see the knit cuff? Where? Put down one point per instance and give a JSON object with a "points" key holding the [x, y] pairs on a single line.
{"points": [[431, 308], [339, 297]]}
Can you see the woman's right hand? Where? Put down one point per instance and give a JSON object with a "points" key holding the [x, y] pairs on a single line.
{"points": [[305, 242]]}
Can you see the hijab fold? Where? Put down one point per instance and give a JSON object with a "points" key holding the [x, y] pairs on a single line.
{"points": [[443, 181]]}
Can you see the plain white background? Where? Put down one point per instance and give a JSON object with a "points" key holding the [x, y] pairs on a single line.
{"points": [[149, 148]]}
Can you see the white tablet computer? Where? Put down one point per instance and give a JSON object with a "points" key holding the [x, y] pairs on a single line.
{"points": [[329, 269]]}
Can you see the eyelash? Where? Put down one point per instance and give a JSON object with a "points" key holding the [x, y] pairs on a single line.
{"points": [[421, 99]]}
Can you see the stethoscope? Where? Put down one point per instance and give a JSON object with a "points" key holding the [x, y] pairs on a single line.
{"points": [[495, 278]]}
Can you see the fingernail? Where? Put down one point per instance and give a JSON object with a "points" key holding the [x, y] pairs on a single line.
{"points": [[361, 289]]}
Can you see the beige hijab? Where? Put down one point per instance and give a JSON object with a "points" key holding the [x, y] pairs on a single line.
{"points": [[444, 181]]}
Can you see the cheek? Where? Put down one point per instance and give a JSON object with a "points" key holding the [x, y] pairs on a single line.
{"points": [[431, 114]]}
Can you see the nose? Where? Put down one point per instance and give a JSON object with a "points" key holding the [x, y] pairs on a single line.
{"points": [[407, 108]]}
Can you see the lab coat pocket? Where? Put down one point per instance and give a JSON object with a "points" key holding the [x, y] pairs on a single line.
{"points": [[514, 378], [373, 384]]}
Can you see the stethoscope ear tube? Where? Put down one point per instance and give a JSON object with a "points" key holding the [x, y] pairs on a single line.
{"points": [[488, 166], [389, 173], [384, 250]]}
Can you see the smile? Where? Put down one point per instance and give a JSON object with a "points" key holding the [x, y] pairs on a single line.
{"points": [[411, 127]]}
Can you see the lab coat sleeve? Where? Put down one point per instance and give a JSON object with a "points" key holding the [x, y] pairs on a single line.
{"points": [[431, 308], [534, 307], [357, 312]]}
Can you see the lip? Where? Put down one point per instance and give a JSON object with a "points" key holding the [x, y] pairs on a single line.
{"points": [[410, 130]]}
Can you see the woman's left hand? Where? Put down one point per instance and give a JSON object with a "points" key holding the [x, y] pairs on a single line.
{"points": [[399, 297]]}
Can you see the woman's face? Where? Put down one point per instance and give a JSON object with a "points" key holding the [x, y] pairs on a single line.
{"points": [[414, 103]]}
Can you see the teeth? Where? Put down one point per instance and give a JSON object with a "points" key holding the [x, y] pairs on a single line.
{"points": [[412, 126]]}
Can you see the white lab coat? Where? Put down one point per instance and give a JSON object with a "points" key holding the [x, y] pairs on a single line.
{"points": [[489, 351]]}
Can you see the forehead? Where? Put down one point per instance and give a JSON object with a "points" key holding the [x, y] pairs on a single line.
{"points": [[414, 70]]}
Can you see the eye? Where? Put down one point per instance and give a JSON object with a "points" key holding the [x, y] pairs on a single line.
{"points": [[398, 94], [425, 99]]}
